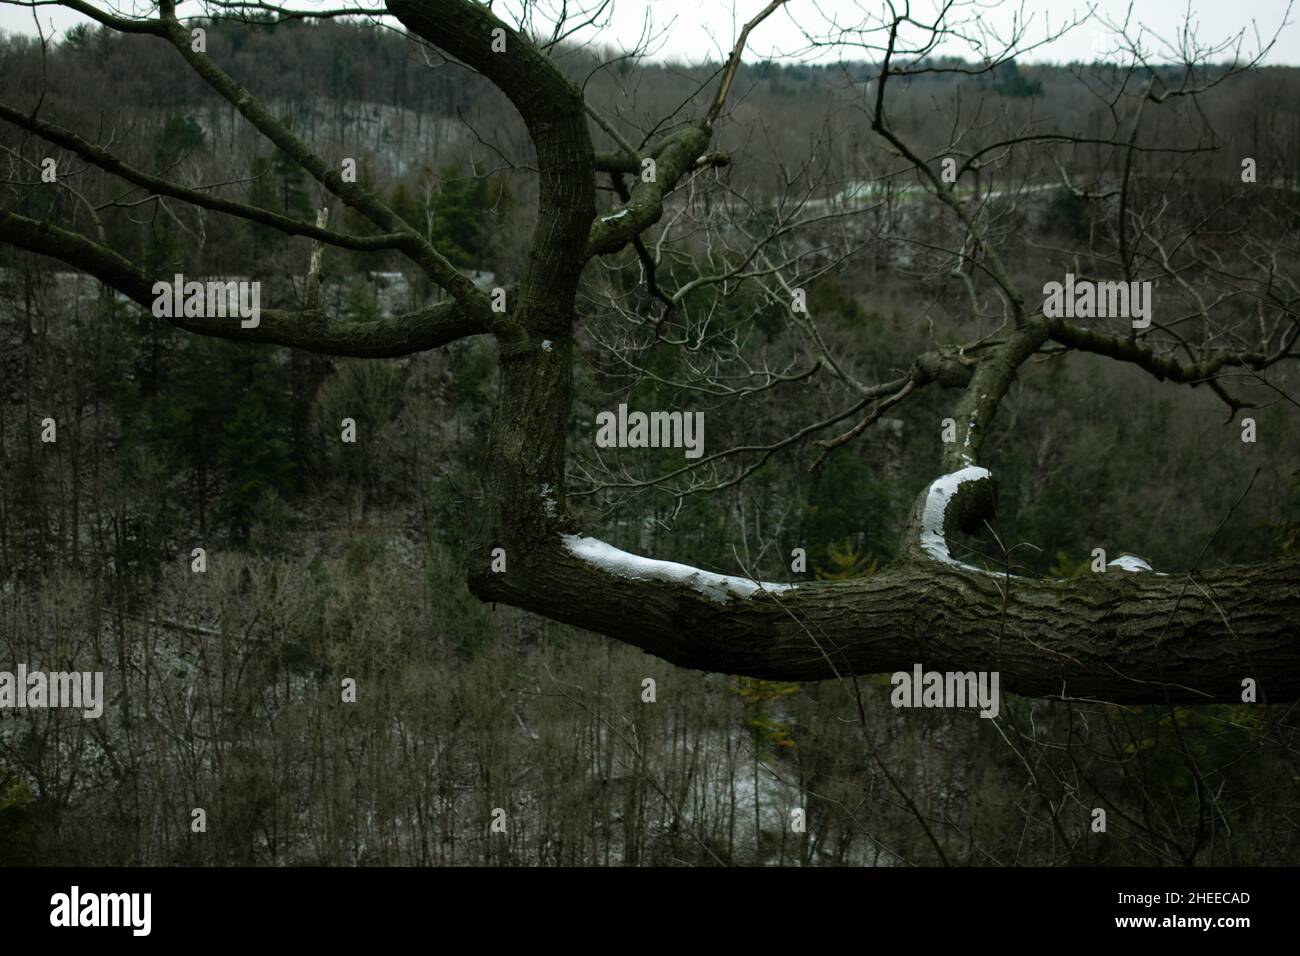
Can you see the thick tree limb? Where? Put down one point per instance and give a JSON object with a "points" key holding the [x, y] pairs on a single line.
{"points": [[1096, 637], [309, 329], [553, 111]]}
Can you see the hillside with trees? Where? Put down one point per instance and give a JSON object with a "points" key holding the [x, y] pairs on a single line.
{"points": [[855, 329]]}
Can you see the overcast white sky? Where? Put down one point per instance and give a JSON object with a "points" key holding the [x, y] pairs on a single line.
{"points": [[693, 30]]}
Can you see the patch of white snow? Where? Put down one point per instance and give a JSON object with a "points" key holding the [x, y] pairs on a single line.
{"points": [[716, 587], [936, 503], [1129, 562]]}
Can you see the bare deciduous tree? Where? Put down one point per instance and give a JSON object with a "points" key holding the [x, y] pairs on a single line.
{"points": [[1121, 636]]}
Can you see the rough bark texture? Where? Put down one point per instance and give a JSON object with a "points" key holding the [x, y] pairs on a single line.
{"points": [[1116, 636]]}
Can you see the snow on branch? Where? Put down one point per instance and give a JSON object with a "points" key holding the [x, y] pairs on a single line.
{"points": [[716, 587], [937, 498], [1130, 562]]}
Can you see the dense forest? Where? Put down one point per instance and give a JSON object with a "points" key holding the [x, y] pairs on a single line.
{"points": [[327, 563]]}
